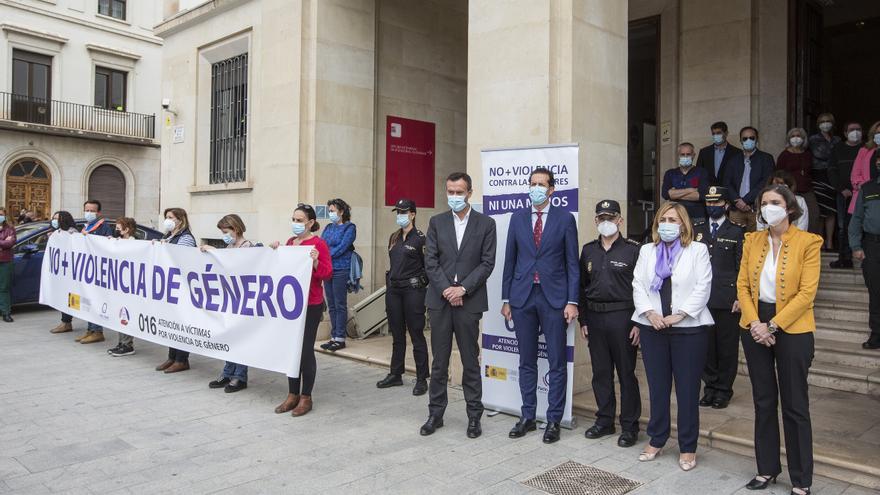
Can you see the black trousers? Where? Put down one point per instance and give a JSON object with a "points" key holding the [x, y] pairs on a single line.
{"points": [[722, 359], [178, 356], [405, 308], [781, 371], [66, 318], [465, 326], [308, 366], [611, 350], [871, 272]]}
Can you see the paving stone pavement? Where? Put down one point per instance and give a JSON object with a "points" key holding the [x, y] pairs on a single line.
{"points": [[76, 420]]}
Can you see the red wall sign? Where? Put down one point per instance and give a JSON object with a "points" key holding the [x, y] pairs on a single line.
{"points": [[409, 161]]}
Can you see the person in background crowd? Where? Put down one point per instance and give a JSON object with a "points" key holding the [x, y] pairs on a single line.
{"points": [[63, 221], [687, 184], [539, 290], [724, 240], [783, 178], [234, 376], [821, 145], [405, 298], [864, 237], [745, 176], [7, 244], [839, 170], [715, 157], [96, 224], [339, 235], [606, 305], [671, 287], [299, 390], [22, 216], [459, 257], [176, 226], [797, 160], [27, 217], [125, 229], [776, 287], [864, 167]]}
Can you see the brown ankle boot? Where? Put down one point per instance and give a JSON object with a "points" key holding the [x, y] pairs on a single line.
{"points": [[304, 406], [164, 366], [87, 334], [289, 403], [177, 367], [93, 338], [62, 328]]}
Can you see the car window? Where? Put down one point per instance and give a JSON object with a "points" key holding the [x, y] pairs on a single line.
{"points": [[24, 230], [40, 240], [140, 234]]}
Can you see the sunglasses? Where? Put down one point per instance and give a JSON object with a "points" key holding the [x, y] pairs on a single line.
{"points": [[304, 206]]}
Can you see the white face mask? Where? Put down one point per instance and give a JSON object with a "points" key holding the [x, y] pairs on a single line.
{"points": [[854, 136], [607, 229], [773, 214], [169, 224], [826, 126], [796, 141]]}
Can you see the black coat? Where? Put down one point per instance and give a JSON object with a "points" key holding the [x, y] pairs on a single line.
{"points": [[726, 252], [706, 160]]}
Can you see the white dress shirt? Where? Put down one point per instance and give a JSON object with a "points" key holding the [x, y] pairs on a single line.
{"points": [[767, 286], [543, 217], [460, 225]]}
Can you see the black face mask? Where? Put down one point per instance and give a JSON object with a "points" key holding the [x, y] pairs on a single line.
{"points": [[117, 233], [716, 212]]}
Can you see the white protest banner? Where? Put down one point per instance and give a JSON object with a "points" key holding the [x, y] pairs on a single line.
{"points": [[505, 190], [242, 305]]}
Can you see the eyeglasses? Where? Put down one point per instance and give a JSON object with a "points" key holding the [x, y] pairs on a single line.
{"points": [[304, 206]]}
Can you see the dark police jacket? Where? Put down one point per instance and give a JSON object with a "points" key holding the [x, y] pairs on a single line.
{"points": [[726, 253], [606, 276]]}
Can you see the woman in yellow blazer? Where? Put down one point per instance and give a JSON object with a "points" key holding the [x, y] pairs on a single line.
{"points": [[776, 287]]}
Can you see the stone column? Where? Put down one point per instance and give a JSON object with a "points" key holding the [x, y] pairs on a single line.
{"points": [[552, 71]]}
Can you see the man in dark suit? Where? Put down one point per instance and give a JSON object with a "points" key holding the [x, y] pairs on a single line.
{"points": [[715, 157], [746, 175], [724, 240], [459, 257], [540, 292]]}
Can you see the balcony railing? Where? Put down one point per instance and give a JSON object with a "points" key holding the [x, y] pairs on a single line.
{"points": [[74, 116]]}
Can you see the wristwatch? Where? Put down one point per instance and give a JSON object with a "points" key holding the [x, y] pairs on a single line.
{"points": [[772, 327]]}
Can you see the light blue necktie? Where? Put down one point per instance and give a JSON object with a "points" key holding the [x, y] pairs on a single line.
{"points": [[745, 184]]}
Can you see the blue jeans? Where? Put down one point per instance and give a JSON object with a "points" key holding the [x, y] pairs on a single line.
{"points": [[336, 290], [234, 370], [95, 328]]}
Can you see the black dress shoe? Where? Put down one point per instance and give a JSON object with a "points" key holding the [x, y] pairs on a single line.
{"points": [[871, 345], [720, 403], [627, 439], [551, 433], [431, 425], [707, 400], [234, 386], [219, 383], [474, 429], [597, 431], [757, 484], [7, 318], [522, 427], [421, 387], [841, 264], [390, 381]]}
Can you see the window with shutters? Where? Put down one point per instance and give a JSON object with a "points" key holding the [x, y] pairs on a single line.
{"points": [[228, 142], [107, 185]]}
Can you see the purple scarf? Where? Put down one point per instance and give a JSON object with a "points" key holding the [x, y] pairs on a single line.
{"points": [[667, 255]]}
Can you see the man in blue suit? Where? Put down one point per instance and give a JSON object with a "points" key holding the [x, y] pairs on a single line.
{"points": [[746, 175], [540, 293]]}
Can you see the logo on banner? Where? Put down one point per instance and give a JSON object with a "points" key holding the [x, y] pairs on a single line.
{"points": [[104, 315], [396, 130], [73, 301], [124, 317], [496, 372]]}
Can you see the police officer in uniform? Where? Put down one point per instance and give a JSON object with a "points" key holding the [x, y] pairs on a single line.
{"points": [[864, 239], [606, 306], [724, 238], [406, 284]]}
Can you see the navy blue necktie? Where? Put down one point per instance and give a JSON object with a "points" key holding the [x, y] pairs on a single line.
{"points": [[714, 229]]}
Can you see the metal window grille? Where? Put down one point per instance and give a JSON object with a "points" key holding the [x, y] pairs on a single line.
{"points": [[229, 120]]}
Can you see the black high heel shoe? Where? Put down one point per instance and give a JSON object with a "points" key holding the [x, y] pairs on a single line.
{"points": [[757, 484]]}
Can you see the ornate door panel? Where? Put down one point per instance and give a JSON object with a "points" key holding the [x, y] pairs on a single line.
{"points": [[29, 186]]}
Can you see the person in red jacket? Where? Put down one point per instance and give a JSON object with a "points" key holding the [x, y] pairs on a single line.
{"points": [[7, 243], [304, 225]]}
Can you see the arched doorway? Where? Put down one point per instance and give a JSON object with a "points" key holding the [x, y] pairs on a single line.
{"points": [[107, 185], [29, 186]]}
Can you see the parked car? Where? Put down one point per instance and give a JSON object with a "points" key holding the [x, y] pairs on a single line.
{"points": [[29, 248]]}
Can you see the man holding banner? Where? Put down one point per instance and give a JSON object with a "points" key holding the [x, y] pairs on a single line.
{"points": [[539, 289]]}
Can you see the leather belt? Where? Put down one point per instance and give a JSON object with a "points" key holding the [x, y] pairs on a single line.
{"points": [[600, 307]]}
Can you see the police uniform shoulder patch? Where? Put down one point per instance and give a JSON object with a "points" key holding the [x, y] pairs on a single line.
{"points": [[699, 223], [699, 236], [633, 242], [419, 233]]}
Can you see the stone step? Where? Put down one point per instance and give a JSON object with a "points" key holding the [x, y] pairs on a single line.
{"points": [[839, 292], [842, 331], [841, 377], [841, 310], [845, 353], [842, 277]]}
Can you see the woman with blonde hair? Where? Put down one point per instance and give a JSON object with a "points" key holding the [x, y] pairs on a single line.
{"points": [[671, 286], [864, 167], [776, 287]]}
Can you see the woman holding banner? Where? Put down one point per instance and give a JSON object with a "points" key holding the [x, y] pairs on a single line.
{"points": [[7, 243], [304, 225], [177, 231], [124, 229], [234, 376], [63, 221]]}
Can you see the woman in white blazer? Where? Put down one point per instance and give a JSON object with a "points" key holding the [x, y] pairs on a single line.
{"points": [[671, 285]]}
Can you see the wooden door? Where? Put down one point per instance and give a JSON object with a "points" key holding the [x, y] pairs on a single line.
{"points": [[29, 186]]}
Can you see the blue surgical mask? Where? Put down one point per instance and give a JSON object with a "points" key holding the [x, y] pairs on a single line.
{"points": [[456, 203], [750, 144], [3, 219], [538, 195], [298, 228], [685, 161], [877, 139], [90, 216], [54, 223], [717, 138], [228, 239], [402, 220], [669, 231], [716, 212], [334, 217]]}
